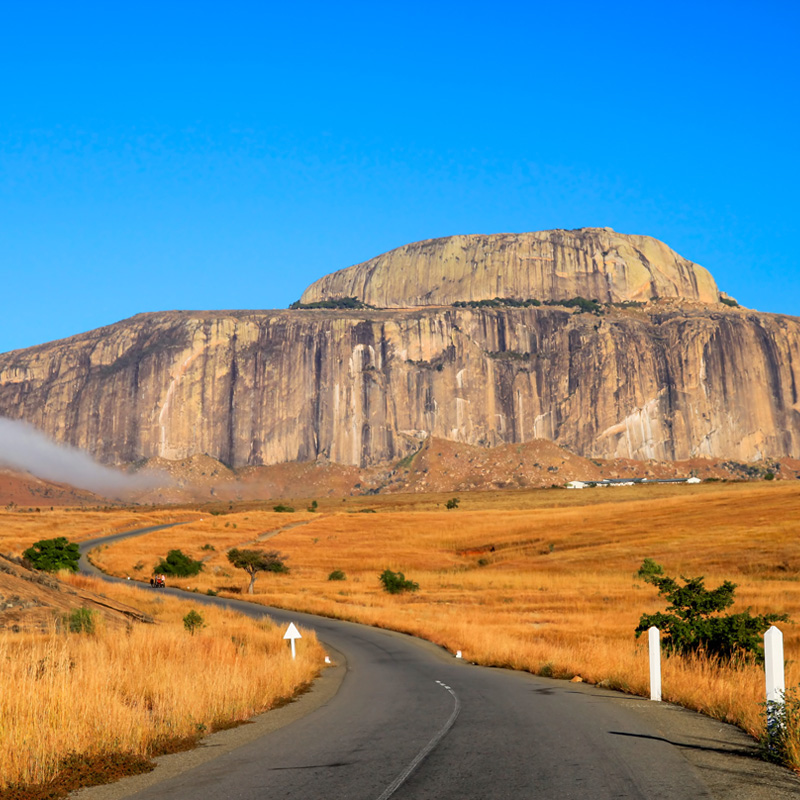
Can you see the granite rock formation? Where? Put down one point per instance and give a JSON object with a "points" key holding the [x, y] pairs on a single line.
{"points": [[594, 263], [683, 376], [362, 387]]}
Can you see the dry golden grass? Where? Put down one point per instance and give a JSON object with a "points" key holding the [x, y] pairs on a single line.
{"points": [[20, 529], [536, 580], [93, 693]]}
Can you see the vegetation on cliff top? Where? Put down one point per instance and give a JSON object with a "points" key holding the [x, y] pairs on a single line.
{"points": [[583, 305], [338, 302]]}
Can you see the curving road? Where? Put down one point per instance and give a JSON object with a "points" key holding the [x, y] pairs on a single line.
{"points": [[410, 721]]}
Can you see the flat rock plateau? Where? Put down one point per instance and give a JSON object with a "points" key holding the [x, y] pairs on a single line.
{"points": [[610, 348]]}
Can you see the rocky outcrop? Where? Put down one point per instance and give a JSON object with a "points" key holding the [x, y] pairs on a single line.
{"points": [[360, 387], [594, 263]]}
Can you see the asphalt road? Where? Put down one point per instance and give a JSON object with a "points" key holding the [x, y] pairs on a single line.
{"points": [[409, 721]]}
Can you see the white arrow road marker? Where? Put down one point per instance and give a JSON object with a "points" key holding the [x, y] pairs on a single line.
{"points": [[292, 633], [404, 775]]}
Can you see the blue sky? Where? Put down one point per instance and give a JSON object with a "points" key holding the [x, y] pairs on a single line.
{"points": [[206, 155]]}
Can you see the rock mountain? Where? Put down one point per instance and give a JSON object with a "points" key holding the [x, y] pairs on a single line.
{"points": [[663, 369], [595, 263]]}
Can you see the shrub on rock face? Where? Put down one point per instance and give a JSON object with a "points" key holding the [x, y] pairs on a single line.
{"points": [[395, 582], [51, 555], [692, 622]]}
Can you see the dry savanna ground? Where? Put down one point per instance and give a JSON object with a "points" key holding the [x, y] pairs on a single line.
{"points": [[114, 698], [539, 580]]}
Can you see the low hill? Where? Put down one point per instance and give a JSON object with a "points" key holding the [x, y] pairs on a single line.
{"points": [[35, 601]]}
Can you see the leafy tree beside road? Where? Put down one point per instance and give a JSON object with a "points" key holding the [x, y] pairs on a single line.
{"points": [[692, 622], [51, 555], [255, 561]]}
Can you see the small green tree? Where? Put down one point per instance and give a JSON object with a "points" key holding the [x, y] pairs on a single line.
{"points": [[255, 561], [337, 575], [692, 622], [451, 503], [51, 555], [179, 565], [193, 621], [395, 582]]}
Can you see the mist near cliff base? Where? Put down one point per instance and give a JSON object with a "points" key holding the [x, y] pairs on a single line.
{"points": [[24, 447]]}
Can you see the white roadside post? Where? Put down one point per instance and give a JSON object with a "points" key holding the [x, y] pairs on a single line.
{"points": [[291, 634], [773, 666], [654, 637]]}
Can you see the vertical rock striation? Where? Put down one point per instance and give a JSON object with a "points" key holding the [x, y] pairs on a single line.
{"points": [[665, 382]]}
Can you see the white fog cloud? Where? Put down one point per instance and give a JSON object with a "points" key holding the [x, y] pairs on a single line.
{"points": [[24, 447]]}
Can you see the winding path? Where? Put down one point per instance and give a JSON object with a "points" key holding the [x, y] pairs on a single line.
{"points": [[409, 721]]}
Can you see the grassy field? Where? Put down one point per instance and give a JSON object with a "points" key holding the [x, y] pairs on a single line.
{"points": [[538, 580], [102, 694]]}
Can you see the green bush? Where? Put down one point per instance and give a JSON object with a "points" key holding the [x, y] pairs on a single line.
{"points": [[51, 555], [79, 620], [337, 575], [649, 567], [179, 565], [282, 509], [395, 582], [451, 503], [692, 623]]}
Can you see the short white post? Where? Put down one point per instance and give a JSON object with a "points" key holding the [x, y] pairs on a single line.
{"points": [[773, 665], [776, 680], [654, 638]]}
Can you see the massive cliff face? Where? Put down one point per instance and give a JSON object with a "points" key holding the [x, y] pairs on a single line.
{"points": [[595, 263], [664, 382]]}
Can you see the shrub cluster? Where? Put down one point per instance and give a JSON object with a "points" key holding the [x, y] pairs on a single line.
{"points": [[396, 582], [337, 302], [581, 303], [497, 302], [179, 565], [51, 555]]}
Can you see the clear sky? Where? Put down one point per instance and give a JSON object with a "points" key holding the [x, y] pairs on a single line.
{"points": [[206, 155]]}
